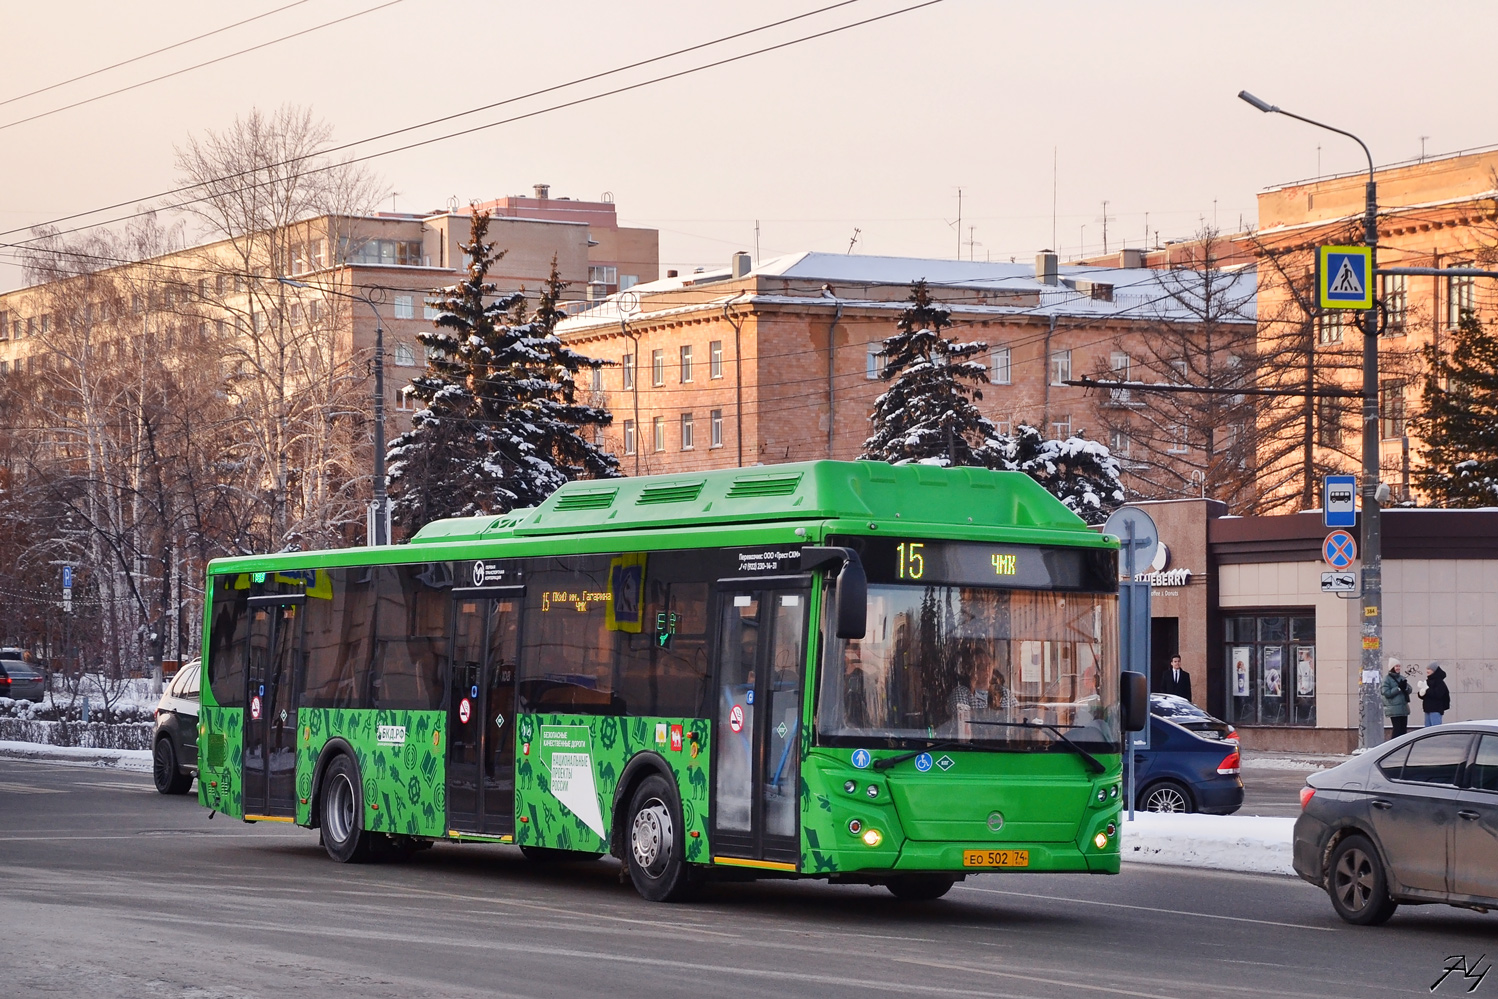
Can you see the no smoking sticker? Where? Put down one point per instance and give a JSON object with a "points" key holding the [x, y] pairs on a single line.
{"points": [[465, 711], [735, 718], [255, 707]]}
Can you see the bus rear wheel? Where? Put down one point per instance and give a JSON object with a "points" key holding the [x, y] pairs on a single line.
{"points": [[343, 834], [920, 887], [654, 843]]}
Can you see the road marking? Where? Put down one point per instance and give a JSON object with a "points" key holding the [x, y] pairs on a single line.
{"points": [[1149, 908], [14, 788]]}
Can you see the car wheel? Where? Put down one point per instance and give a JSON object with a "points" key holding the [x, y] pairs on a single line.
{"points": [[920, 887], [550, 855], [1166, 796], [1357, 884], [169, 778], [654, 843], [343, 834]]}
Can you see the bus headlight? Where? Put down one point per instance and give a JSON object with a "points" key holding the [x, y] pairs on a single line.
{"points": [[1101, 839], [872, 837]]}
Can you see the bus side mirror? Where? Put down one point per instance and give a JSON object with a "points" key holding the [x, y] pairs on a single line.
{"points": [[850, 602], [1134, 699]]}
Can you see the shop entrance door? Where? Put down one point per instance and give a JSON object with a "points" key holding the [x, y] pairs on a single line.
{"points": [[761, 674], [481, 712], [270, 714]]}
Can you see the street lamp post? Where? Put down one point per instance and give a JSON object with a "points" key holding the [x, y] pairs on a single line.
{"points": [[1371, 727], [380, 533]]}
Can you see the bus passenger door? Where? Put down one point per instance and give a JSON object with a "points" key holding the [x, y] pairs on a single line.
{"points": [[757, 735], [270, 723], [481, 709]]}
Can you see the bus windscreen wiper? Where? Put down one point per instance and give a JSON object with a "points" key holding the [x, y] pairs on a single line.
{"points": [[1096, 764], [890, 761]]}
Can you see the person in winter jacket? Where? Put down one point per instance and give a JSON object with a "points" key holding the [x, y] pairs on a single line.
{"points": [[1396, 695], [1436, 698]]}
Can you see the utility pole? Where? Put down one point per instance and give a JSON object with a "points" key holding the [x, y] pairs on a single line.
{"points": [[1371, 716]]}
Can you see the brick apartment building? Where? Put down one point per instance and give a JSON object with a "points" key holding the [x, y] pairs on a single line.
{"points": [[743, 366]]}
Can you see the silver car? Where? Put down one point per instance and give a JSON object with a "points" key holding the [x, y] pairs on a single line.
{"points": [[1411, 822]]}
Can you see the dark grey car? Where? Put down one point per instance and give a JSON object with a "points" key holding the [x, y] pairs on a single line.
{"points": [[1414, 821], [21, 681]]}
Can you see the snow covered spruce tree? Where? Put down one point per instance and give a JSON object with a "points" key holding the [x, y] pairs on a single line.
{"points": [[1079, 472], [927, 413], [1460, 423], [500, 427]]}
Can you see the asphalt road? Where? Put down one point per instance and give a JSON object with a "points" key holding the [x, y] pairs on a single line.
{"points": [[107, 889]]}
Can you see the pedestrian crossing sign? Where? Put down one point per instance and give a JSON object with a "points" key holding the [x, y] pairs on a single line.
{"points": [[1344, 277]]}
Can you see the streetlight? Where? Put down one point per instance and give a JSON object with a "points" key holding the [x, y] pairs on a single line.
{"points": [[379, 533], [1371, 729]]}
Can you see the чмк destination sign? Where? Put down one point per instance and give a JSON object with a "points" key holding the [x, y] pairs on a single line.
{"points": [[966, 563]]}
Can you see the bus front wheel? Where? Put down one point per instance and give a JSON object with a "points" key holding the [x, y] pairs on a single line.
{"points": [[654, 843], [920, 887], [343, 834]]}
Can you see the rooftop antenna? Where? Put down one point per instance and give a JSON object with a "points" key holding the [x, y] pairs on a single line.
{"points": [[756, 242], [1318, 161], [971, 242], [1422, 147], [1053, 196], [958, 224], [852, 242], [1104, 220]]}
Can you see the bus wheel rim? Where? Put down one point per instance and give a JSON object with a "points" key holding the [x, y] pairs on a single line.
{"points": [[652, 836], [340, 818]]}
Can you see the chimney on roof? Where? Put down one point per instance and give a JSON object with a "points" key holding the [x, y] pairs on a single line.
{"points": [[543, 191], [741, 264], [671, 274], [1131, 258], [1046, 267]]}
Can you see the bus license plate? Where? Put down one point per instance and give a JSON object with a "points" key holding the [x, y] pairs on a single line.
{"points": [[995, 858]]}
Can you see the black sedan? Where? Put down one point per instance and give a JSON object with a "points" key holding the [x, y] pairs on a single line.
{"points": [[1183, 772], [1413, 822], [21, 681]]}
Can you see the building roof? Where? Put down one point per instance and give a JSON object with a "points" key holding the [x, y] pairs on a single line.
{"points": [[1093, 291]]}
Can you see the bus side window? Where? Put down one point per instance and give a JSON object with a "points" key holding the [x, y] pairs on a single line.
{"points": [[228, 634], [411, 638], [339, 631]]}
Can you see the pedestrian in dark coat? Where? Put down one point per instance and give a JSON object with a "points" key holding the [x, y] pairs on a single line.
{"points": [[1437, 697]]}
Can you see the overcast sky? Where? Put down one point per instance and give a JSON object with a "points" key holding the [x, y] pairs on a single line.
{"points": [[874, 128]]}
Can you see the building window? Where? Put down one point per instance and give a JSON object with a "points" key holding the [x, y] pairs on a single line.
{"points": [[318, 248], [4, 325], [296, 313], [687, 440], [1119, 443], [1061, 427], [1396, 296], [4, 368], [715, 427], [598, 379], [220, 282], [405, 307], [1329, 326], [627, 366], [1329, 422], [1119, 363], [715, 359], [314, 311], [659, 428], [1461, 296], [1391, 409], [1060, 367], [405, 355], [875, 366], [1004, 427], [686, 363], [1271, 668], [429, 311], [1178, 441], [657, 367], [382, 252], [629, 436], [1000, 360], [405, 400], [628, 281]]}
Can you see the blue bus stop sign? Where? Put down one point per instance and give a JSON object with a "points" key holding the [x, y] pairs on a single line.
{"points": [[1339, 506]]}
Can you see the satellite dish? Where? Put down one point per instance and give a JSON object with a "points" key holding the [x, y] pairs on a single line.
{"points": [[1138, 538]]}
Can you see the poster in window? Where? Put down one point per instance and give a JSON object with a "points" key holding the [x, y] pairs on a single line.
{"points": [[625, 608], [1305, 670], [1273, 662], [1241, 656], [1029, 661]]}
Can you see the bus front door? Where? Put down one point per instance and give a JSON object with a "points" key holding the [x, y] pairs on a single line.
{"points": [[481, 710], [757, 734], [270, 723]]}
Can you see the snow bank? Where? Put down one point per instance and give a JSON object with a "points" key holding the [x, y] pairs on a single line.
{"points": [[134, 760], [1218, 842]]}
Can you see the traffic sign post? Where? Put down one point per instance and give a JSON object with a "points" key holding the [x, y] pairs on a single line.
{"points": [[1344, 277], [1339, 550], [1339, 582], [1339, 507]]}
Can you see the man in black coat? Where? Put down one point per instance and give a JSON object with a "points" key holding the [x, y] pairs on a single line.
{"points": [[1177, 681]]}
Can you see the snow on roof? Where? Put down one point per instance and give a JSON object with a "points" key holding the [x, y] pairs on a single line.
{"points": [[1136, 293]]}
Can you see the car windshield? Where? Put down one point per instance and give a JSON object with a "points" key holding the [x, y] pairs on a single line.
{"points": [[974, 665]]}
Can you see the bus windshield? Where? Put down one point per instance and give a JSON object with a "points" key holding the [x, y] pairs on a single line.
{"points": [[967, 664]]}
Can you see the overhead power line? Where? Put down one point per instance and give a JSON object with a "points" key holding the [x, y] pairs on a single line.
{"points": [[153, 52], [531, 114], [207, 62]]}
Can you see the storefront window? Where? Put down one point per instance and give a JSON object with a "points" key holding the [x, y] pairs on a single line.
{"points": [[1271, 668]]}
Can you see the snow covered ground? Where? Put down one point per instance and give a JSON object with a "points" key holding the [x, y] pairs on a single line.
{"points": [[1217, 842], [134, 760]]}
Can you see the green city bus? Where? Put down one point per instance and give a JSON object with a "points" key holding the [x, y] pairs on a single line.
{"points": [[861, 672]]}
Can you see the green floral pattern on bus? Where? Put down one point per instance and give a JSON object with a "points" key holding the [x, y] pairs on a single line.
{"points": [[401, 757], [222, 742], [568, 769]]}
